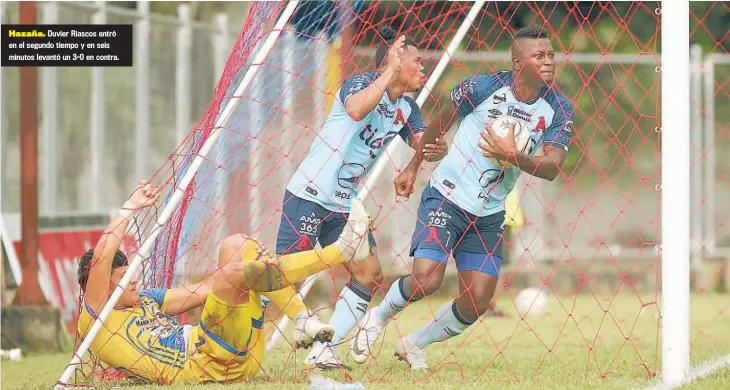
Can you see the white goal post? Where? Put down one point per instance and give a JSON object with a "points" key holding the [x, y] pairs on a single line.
{"points": [[675, 191], [393, 148], [179, 191]]}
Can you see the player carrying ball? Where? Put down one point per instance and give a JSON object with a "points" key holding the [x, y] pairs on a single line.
{"points": [[142, 340], [462, 209], [369, 110]]}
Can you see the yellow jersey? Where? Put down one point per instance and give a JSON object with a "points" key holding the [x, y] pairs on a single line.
{"points": [[146, 345]]}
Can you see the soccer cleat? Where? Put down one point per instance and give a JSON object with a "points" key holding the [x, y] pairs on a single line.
{"points": [[353, 242], [323, 357], [367, 334], [308, 329], [414, 355]]}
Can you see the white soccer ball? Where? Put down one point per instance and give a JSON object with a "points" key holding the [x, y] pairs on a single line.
{"points": [[532, 301], [522, 135]]}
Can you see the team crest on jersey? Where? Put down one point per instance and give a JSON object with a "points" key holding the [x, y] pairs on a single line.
{"points": [[159, 324], [540, 125], [399, 118], [569, 126]]}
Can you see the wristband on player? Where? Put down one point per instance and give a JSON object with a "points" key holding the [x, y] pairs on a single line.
{"points": [[127, 210]]}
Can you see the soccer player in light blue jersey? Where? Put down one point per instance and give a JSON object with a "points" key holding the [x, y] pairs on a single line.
{"points": [[369, 110], [462, 209]]}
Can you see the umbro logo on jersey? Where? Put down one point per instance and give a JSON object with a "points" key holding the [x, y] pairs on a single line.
{"points": [[493, 113]]}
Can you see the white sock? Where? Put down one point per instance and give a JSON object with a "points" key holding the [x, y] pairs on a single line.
{"points": [[447, 323], [395, 300], [349, 309]]}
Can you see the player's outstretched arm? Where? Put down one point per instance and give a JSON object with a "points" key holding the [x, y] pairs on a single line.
{"points": [[97, 286], [181, 299]]}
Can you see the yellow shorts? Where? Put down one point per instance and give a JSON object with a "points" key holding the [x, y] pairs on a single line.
{"points": [[228, 344]]}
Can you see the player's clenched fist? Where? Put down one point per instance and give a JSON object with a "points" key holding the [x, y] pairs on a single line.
{"points": [[144, 195], [404, 183]]}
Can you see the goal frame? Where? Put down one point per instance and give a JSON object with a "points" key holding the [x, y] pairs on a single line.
{"points": [[674, 185], [179, 191]]}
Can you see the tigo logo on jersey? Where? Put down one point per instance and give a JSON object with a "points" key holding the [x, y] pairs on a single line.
{"points": [[368, 136]]}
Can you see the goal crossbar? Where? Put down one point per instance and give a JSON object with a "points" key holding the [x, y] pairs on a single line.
{"points": [[393, 148], [179, 191]]}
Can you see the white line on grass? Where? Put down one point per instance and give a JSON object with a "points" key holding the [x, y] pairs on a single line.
{"points": [[703, 370]]}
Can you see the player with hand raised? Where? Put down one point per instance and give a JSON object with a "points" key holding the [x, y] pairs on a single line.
{"points": [[370, 109], [462, 212]]}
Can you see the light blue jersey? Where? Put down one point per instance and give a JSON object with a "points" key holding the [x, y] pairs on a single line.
{"points": [[471, 180], [346, 149]]}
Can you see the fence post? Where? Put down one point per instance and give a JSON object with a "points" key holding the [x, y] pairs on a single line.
{"points": [[3, 118], [29, 291], [220, 42], [97, 122], [182, 73], [220, 46], [142, 65], [696, 164], [49, 121], [709, 160]]}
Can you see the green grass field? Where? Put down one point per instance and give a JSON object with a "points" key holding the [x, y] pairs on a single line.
{"points": [[603, 344]]}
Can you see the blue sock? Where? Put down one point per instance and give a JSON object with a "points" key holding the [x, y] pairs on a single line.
{"points": [[349, 309], [447, 323], [395, 300]]}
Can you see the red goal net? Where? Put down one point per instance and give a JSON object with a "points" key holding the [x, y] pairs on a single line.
{"points": [[710, 135], [586, 241]]}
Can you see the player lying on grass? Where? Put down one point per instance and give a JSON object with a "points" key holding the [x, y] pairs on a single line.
{"points": [[462, 209], [370, 109], [142, 340]]}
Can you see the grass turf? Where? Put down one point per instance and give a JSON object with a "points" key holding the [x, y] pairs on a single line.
{"points": [[584, 342]]}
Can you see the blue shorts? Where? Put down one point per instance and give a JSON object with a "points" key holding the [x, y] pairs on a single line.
{"points": [[444, 229], [305, 223]]}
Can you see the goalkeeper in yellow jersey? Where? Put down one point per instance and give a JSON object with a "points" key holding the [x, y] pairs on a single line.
{"points": [[141, 339]]}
